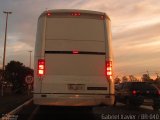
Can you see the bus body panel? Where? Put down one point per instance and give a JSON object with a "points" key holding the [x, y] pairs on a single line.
{"points": [[75, 51]]}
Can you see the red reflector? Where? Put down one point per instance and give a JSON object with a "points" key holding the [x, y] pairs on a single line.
{"points": [[134, 92], [109, 69], [75, 52], [41, 67]]}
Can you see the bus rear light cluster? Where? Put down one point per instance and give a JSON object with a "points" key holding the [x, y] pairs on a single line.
{"points": [[109, 69], [41, 67]]}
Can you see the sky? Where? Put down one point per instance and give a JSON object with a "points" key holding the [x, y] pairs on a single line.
{"points": [[135, 28]]}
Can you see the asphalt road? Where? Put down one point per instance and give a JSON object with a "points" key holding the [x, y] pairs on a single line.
{"points": [[120, 112]]}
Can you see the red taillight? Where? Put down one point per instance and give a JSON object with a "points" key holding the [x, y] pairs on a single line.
{"points": [[49, 14], [76, 14], [109, 69], [41, 67], [134, 92], [75, 52]]}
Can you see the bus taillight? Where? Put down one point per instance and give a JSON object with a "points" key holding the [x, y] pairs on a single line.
{"points": [[76, 14], [109, 69], [41, 67], [49, 14], [75, 52]]}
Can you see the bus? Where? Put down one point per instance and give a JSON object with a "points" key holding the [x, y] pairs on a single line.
{"points": [[73, 59]]}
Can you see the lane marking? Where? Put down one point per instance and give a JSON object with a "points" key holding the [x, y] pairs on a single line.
{"points": [[17, 109], [31, 117]]}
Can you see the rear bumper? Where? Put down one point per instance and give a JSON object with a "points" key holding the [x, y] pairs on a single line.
{"points": [[73, 99], [145, 101]]}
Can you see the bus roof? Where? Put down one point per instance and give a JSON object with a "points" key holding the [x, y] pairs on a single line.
{"points": [[74, 10]]}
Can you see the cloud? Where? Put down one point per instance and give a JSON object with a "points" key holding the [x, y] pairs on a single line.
{"points": [[135, 28], [138, 34]]}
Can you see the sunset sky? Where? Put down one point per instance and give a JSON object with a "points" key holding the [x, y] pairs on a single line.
{"points": [[135, 30]]}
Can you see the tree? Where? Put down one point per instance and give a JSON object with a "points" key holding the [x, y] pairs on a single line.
{"points": [[146, 78], [117, 80], [132, 78], [157, 81], [15, 72], [124, 79]]}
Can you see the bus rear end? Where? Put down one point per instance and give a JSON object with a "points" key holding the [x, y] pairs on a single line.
{"points": [[73, 65]]}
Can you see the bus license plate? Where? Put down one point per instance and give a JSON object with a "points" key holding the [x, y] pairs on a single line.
{"points": [[76, 86]]}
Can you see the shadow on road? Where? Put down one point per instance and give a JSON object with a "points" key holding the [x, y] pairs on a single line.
{"points": [[64, 113]]}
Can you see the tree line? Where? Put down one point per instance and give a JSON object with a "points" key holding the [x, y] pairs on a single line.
{"points": [[14, 75], [144, 78]]}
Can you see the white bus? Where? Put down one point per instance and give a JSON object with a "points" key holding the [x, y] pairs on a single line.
{"points": [[73, 59]]}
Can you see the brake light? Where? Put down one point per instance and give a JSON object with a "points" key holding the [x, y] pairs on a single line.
{"points": [[109, 69], [75, 52], [76, 14], [134, 92], [41, 67]]}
